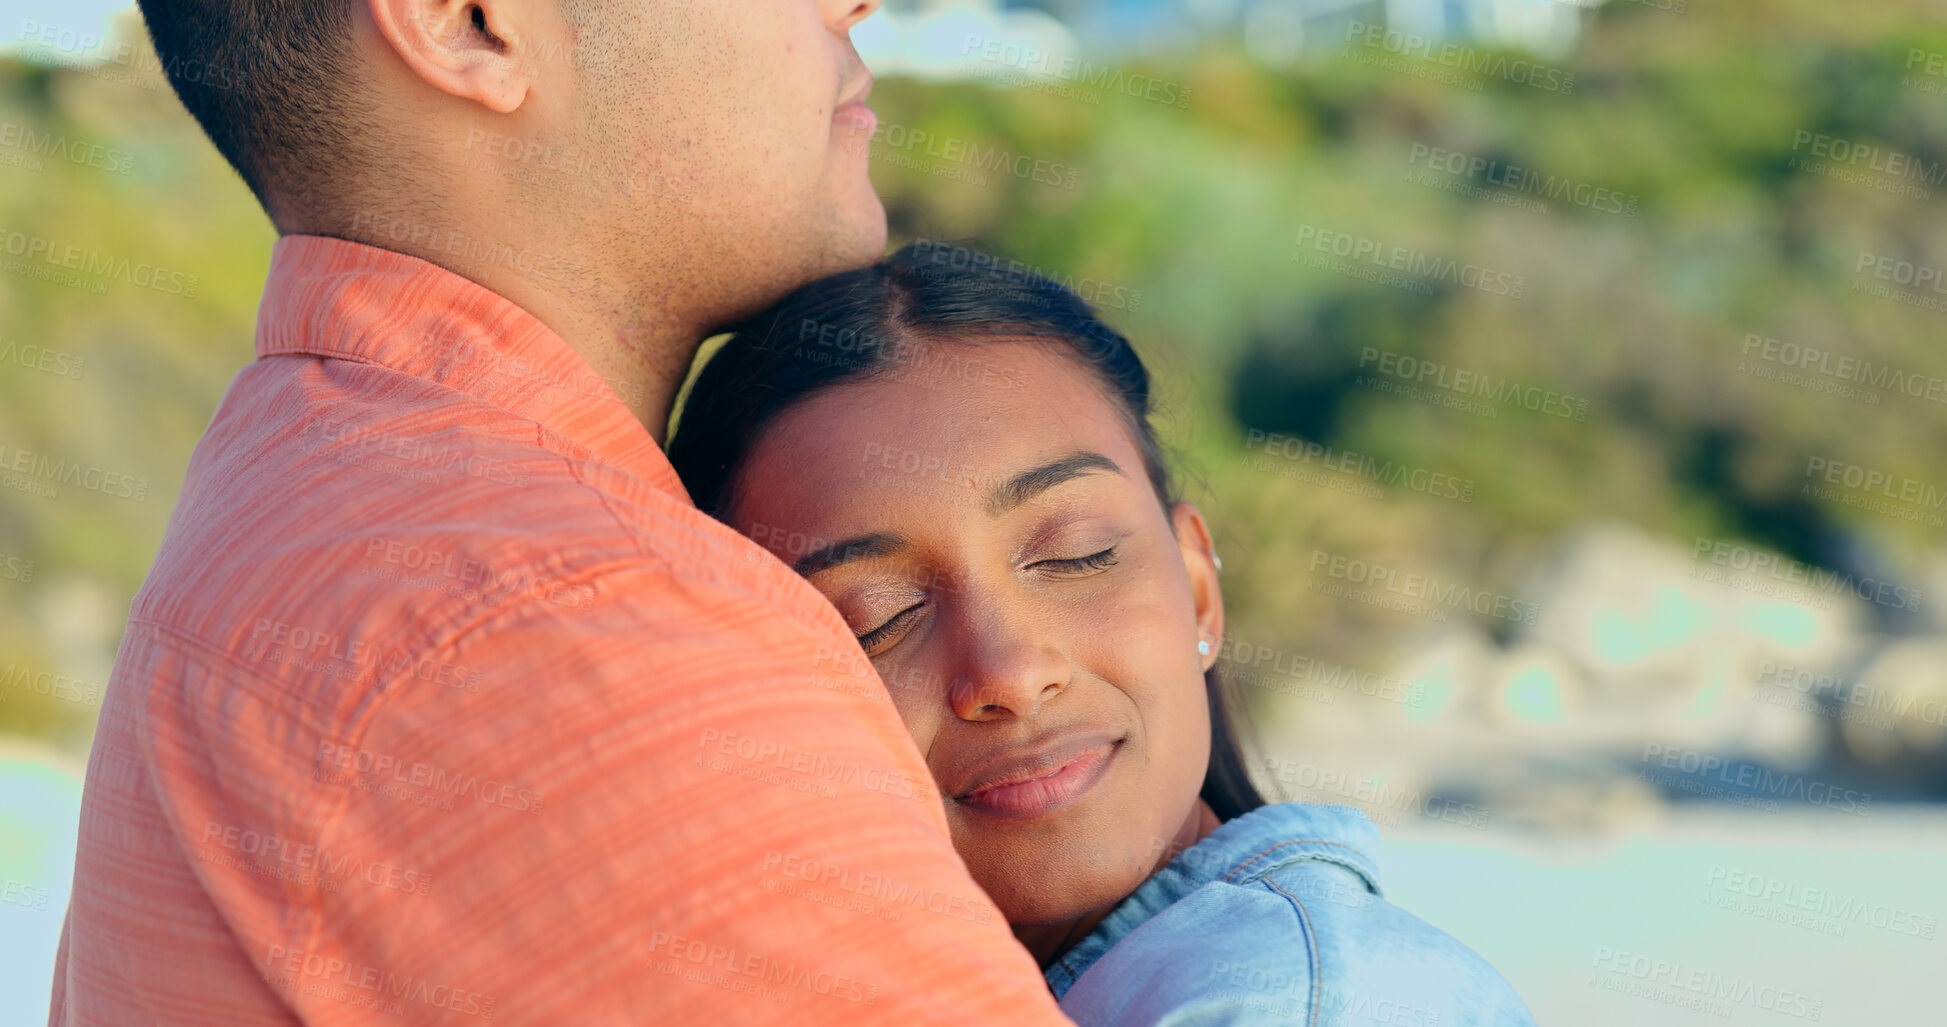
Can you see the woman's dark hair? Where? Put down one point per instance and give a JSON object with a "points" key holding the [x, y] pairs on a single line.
{"points": [[876, 322]]}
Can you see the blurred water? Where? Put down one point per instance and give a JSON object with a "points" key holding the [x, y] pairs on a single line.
{"points": [[1668, 914], [40, 812]]}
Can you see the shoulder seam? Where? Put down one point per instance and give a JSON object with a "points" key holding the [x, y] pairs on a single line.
{"points": [[1246, 864], [1311, 949]]}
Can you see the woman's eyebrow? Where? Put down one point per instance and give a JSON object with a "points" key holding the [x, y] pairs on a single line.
{"points": [[1005, 496], [1028, 484], [858, 547]]}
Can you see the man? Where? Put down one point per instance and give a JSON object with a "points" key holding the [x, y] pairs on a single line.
{"points": [[442, 701]]}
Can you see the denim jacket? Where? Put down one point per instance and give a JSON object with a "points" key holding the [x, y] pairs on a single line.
{"points": [[1277, 918]]}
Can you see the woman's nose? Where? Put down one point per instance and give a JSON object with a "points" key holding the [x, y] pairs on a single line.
{"points": [[1006, 677]]}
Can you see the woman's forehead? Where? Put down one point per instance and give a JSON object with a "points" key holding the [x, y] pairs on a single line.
{"points": [[911, 440]]}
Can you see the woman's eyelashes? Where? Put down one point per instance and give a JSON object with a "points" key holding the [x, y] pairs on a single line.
{"points": [[1089, 564], [885, 633], [889, 630]]}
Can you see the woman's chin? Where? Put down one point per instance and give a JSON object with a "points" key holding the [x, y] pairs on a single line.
{"points": [[1034, 913]]}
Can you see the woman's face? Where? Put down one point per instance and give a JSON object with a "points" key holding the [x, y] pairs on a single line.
{"points": [[983, 521]]}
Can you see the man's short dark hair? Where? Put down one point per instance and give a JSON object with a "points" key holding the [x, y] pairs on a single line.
{"points": [[271, 83]]}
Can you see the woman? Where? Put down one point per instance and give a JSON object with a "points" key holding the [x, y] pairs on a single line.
{"points": [[960, 458]]}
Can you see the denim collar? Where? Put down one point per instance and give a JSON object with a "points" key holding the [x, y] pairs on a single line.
{"points": [[1238, 853]]}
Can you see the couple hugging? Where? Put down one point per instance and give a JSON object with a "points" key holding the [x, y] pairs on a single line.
{"points": [[461, 689]]}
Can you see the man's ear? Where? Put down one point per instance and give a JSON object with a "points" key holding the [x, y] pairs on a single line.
{"points": [[476, 50], [1200, 559]]}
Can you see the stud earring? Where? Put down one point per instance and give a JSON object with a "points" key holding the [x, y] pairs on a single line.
{"points": [[1216, 561], [1203, 647]]}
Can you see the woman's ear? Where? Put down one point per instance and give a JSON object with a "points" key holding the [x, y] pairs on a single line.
{"points": [[474, 49], [1200, 559]]}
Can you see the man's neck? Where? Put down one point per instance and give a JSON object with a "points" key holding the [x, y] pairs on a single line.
{"points": [[643, 358], [641, 349]]}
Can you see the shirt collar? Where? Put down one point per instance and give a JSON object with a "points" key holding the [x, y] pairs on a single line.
{"points": [[333, 298], [1237, 852]]}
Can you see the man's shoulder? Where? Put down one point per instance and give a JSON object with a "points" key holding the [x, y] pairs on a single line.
{"points": [[396, 522]]}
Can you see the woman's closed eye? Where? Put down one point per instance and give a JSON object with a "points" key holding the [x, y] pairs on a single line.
{"points": [[1079, 565], [889, 630]]}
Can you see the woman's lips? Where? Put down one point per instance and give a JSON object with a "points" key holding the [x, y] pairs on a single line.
{"points": [[1039, 796]]}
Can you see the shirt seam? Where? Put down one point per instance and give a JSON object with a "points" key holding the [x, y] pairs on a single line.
{"points": [[1311, 949], [1248, 860], [310, 920]]}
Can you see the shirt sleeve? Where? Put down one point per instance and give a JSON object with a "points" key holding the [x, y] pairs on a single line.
{"points": [[662, 802]]}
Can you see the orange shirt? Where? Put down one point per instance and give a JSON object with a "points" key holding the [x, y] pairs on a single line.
{"points": [[443, 703]]}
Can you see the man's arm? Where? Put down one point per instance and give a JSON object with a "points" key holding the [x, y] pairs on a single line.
{"points": [[668, 804]]}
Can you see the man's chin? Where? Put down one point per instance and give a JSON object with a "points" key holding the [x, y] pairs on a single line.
{"points": [[863, 239]]}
